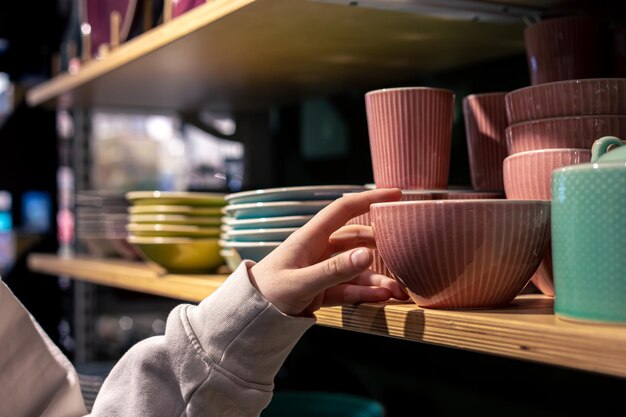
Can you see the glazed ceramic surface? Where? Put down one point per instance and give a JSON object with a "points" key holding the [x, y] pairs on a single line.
{"points": [[567, 48], [562, 132], [168, 230], [378, 265], [267, 222], [175, 219], [231, 257], [274, 209], [485, 122], [462, 254], [527, 177], [174, 209], [589, 236], [178, 198], [254, 251], [527, 174], [261, 235], [599, 96], [180, 255], [410, 131], [320, 192]]}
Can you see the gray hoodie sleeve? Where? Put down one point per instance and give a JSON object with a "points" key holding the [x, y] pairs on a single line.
{"points": [[216, 359]]}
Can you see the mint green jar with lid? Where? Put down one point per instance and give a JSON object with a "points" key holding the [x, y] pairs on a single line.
{"points": [[589, 236]]}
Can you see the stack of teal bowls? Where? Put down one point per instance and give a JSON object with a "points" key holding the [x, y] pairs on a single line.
{"points": [[256, 222]]}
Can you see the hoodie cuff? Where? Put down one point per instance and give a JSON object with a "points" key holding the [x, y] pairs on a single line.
{"points": [[244, 333]]}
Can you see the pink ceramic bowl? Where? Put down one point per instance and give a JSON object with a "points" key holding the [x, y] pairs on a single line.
{"points": [[465, 195], [567, 48], [598, 96], [378, 265], [462, 254], [527, 175], [563, 132]]}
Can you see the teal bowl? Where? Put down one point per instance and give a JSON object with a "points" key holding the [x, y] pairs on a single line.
{"points": [[321, 404]]}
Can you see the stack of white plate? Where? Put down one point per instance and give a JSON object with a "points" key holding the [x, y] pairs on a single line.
{"points": [[257, 221], [178, 231], [101, 224]]}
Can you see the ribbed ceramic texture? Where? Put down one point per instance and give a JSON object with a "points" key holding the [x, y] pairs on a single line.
{"points": [[599, 96], [472, 195], [527, 177], [562, 132], [527, 174], [589, 244], [462, 254], [567, 48], [378, 265], [485, 122], [410, 131]]}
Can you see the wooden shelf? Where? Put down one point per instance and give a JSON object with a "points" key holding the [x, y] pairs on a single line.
{"points": [[527, 329], [241, 54]]}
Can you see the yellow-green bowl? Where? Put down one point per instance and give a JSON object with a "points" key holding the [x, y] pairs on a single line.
{"points": [[176, 198], [175, 219], [168, 230], [180, 255], [175, 209]]}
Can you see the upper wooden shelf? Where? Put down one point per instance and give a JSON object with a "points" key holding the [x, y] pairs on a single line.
{"points": [[527, 329], [237, 54]]}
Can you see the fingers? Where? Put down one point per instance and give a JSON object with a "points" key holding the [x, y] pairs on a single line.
{"points": [[352, 236], [335, 270], [346, 294], [371, 278], [317, 231]]}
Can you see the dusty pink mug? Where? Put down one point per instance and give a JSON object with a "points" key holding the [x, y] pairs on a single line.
{"points": [[410, 131]]}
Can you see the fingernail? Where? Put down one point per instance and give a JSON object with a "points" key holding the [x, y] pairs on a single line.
{"points": [[360, 258]]}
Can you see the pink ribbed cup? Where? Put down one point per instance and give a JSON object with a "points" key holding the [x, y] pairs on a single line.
{"points": [[378, 265], [462, 254], [410, 131], [485, 121], [527, 176], [567, 48], [599, 96], [562, 132]]}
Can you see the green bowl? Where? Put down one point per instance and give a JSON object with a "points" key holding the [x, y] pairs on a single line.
{"points": [[178, 198], [321, 404], [168, 230], [180, 210], [180, 255], [175, 219]]}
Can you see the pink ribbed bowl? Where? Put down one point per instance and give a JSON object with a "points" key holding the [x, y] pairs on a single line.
{"points": [[563, 132], [598, 96], [567, 48], [527, 176], [378, 265], [462, 254], [410, 132]]}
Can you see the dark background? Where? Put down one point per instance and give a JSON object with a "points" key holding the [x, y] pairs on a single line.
{"points": [[408, 378]]}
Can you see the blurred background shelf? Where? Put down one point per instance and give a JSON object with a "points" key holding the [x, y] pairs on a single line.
{"points": [[238, 54], [527, 329]]}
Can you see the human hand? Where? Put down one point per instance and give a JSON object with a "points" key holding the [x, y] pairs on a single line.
{"points": [[301, 275]]}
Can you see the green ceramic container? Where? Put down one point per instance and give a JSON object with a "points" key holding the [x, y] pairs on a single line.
{"points": [[589, 236]]}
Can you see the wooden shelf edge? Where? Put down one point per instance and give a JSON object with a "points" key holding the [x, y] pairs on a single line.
{"points": [[142, 45], [527, 329]]}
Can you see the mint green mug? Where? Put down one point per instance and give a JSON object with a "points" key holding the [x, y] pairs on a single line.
{"points": [[589, 236]]}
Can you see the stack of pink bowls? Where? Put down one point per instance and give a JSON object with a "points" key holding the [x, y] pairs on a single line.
{"points": [[553, 125], [449, 248]]}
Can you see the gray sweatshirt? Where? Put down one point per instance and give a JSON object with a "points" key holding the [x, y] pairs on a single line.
{"points": [[218, 358]]}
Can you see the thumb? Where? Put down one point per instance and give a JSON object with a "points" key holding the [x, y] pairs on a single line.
{"points": [[336, 270]]}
